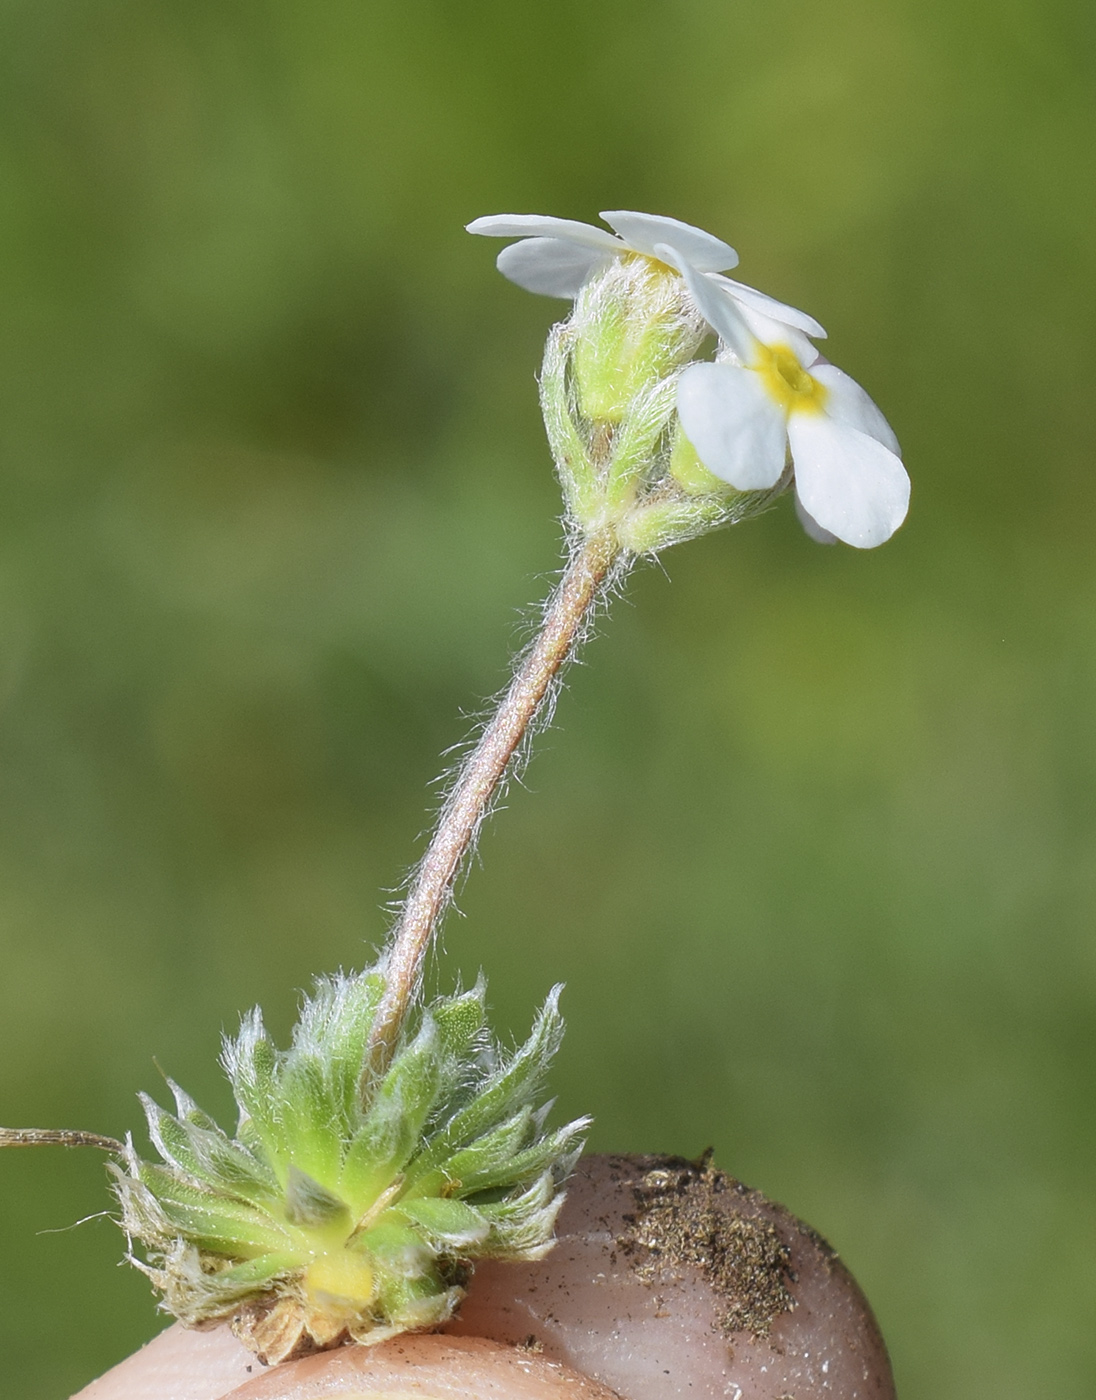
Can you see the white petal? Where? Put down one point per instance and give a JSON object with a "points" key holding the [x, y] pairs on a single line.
{"points": [[545, 226], [848, 403], [811, 526], [849, 483], [549, 265], [644, 231], [738, 431], [716, 308], [769, 306]]}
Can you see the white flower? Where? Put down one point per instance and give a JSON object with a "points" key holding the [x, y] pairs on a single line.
{"points": [[770, 391], [556, 257]]}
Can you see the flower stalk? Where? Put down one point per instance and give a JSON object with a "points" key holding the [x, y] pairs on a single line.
{"points": [[477, 782]]}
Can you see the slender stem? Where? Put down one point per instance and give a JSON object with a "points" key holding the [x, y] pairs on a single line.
{"points": [[470, 800], [57, 1137]]}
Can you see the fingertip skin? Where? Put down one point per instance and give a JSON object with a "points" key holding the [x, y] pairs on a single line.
{"points": [[620, 1299], [180, 1364], [183, 1364], [416, 1367]]}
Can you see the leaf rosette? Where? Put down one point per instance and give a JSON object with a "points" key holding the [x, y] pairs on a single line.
{"points": [[350, 1206]]}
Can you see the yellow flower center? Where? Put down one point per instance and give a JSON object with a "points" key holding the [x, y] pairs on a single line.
{"points": [[653, 264], [787, 381]]}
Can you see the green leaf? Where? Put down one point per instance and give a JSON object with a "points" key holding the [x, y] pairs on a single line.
{"points": [[418, 1302], [170, 1138], [209, 1156], [209, 1219], [460, 1021], [252, 1274], [309, 1117], [465, 1046], [233, 1167], [393, 1126], [186, 1109], [509, 1088], [375, 1156], [309, 1204], [399, 1250], [521, 1226], [450, 1224], [334, 1025], [252, 1065], [494, 1149], [552, 1152]]}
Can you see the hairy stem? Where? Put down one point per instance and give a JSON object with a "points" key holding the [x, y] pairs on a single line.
{"points": [[58, 1137], [470, 799]]}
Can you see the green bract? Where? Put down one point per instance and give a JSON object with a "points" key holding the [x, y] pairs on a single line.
{"points": [[609, 389], [637, 327], [349, 1207]]}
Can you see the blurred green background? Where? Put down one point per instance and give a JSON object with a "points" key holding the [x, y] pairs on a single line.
{"points": [[814, 841]]}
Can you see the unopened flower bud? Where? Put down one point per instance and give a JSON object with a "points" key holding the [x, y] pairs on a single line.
{"points": [[633, 326]]}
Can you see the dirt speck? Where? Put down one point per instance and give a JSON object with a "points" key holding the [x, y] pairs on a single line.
{"points": [[688, 1213]]}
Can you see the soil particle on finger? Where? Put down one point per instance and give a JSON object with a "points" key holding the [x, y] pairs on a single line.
{"points": [[689, 1215]]}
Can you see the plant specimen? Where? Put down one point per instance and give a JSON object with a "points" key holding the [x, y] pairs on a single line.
{"points": [[393, 1145]]}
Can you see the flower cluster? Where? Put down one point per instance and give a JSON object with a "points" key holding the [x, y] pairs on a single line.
{"points": [[347, 1205], [767, 403]]}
